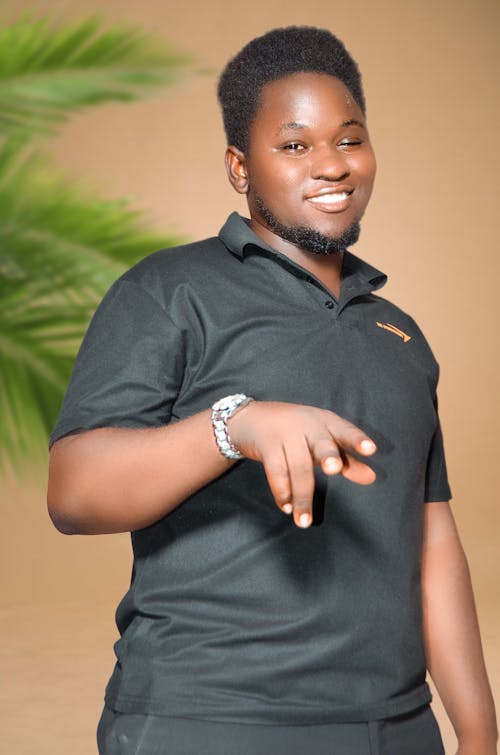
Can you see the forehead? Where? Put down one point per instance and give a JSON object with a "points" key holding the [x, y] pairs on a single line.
{"points": [[307, 98]]}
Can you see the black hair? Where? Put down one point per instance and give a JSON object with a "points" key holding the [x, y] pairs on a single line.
{"points": [[275, 55]]}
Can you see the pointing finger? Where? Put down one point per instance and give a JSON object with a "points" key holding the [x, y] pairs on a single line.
{"points": [[350, 437]]}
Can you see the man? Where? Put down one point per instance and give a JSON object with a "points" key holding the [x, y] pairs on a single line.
{"points": [[266, 427]]}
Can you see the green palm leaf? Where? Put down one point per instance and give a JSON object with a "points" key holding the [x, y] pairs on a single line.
{"points": [[60, 247], [47, 71], [60, 250]]}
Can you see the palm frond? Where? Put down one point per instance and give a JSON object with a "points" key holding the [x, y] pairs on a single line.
{"points": [[49, 71], [60, 250]]}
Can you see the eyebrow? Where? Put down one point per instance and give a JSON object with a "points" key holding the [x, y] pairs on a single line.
{"points": [[352, 122], [291, 126], [295, 125]]}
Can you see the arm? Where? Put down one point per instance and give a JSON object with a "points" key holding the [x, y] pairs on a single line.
{"points": [[451, 635], [117, 480]]}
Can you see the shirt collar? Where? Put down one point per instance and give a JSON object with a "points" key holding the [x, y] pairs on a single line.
{"points": [[237, 236]]}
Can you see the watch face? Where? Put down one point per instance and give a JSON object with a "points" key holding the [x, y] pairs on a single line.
{"points": [[229, 403]]}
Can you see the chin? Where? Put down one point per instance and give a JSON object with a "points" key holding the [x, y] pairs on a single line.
{"points": [[321, 241], [314, 237]]}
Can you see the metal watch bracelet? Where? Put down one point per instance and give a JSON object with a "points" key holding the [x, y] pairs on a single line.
{"points": [[222, 410]]}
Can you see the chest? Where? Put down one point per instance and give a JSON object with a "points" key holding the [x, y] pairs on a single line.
{"points": [[347, 363]]}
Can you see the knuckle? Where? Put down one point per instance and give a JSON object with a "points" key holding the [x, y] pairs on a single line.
{"points": [[325, 448], [330, 415], [331, 453], [302, 494], [278, 479], [278, 473], [281, 493], [348, 427], [303, 469]]}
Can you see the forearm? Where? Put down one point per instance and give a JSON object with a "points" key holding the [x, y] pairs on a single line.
{"points": [[451, 633], [117, 480]]}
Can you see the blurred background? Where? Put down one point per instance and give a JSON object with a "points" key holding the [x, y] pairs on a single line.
{"points": [[111, 146]]}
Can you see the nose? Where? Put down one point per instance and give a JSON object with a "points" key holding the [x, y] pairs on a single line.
{"points": [[330, 164]]}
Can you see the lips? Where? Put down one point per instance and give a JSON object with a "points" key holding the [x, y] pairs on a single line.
{"points": [[331, 199]]}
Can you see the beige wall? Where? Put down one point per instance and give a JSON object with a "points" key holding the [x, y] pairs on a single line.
{"points": [[430, 70]]}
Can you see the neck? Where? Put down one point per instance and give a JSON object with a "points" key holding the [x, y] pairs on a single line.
{"points": [[327, 268]]}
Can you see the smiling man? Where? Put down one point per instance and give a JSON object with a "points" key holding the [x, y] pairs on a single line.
{"points": [[309, 173], [266, 427]]}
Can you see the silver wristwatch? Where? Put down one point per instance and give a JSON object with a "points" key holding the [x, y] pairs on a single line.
{"points": [[222, 410]]}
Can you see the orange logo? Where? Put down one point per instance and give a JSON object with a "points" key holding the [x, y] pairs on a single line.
{"points": [[396, 331]]}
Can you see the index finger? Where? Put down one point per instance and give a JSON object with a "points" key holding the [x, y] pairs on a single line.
{"points": [[350, 437]]}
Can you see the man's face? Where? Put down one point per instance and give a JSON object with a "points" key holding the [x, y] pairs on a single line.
{"points": [[309, 168]]}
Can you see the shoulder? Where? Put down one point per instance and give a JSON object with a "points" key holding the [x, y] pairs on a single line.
{"points": [[176, 262], [172, 273]]}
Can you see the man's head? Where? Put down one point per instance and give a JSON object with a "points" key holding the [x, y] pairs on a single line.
{"points": [[276, 55], [294, 114]]}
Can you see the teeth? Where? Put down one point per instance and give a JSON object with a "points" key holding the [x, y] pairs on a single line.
{"points": [[329, 198]]}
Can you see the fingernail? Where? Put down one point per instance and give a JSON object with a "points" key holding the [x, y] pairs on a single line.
{"points": [[304, 520], [287, 508], [332, 464], [368, 446]]}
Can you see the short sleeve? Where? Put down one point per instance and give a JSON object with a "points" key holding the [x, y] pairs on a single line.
{"points": [[437, 487], [129, 368]]}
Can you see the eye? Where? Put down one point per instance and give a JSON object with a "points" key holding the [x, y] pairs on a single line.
{"points": [[350, 142], [293, 147]]}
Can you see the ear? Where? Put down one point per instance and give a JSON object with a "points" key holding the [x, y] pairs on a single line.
{"points": [[236, 169]]}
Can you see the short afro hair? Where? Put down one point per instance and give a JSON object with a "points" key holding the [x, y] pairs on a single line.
{"points": [[275, 55]]}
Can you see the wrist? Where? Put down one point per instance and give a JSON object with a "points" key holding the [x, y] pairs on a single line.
{"points": [[222, 411]]}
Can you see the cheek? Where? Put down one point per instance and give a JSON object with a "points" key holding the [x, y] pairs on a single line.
{"points": [[368, 166], [365, 167], [275, 182]]}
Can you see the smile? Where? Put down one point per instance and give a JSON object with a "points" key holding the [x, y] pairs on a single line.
{"points": [[331, 201], [335, 198]]}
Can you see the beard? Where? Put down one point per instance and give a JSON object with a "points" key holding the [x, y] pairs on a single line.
{"points": [[307, 238]]}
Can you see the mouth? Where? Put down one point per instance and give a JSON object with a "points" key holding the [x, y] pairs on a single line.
{"points": [[331, 200]]}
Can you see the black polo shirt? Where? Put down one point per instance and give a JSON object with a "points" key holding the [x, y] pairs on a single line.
{"points": [[234, 613]]}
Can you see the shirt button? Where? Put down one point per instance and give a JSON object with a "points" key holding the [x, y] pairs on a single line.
{"points": [[329, 304]]}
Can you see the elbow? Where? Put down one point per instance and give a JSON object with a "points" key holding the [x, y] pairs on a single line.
{"points": [[65, 512], [62, 522], [68, 521], [63, 515], [62, 499]]}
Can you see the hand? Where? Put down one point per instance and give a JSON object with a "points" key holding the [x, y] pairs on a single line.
{"points": [[289, 440]]}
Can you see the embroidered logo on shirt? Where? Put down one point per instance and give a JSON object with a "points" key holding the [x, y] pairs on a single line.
{"points": [[396, 331]]}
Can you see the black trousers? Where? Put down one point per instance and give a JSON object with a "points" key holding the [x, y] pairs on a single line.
{"points": [[415, 733]]}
